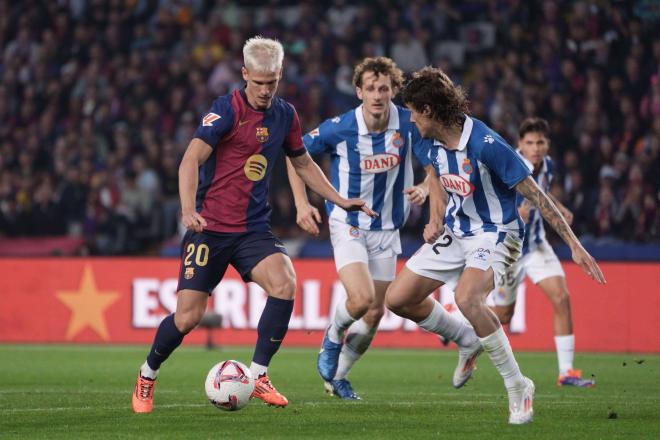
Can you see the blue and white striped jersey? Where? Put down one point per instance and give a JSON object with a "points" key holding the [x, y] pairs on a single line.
{"points": [[373, 167], [534, 230], [479, 177]]}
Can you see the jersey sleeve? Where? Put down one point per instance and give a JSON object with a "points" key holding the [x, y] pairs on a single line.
{"points": [[317, 140], [217, 122], [421, 147], [293, 144], [504, 162]]}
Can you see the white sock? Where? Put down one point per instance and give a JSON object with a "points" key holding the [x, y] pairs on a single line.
{"points": [[499, 350], [443, 323], [258, 370], [565, 349], [358, 339], [146, 371], [340, 322]]}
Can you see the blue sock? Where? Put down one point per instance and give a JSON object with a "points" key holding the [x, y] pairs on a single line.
{"points": [[167, 339], [273, 324]]}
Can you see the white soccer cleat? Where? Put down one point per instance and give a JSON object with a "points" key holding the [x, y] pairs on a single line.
{"points": [[467, 363], [521, 410]]}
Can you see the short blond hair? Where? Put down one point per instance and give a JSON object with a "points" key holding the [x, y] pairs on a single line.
{"points": [[263, 54]]}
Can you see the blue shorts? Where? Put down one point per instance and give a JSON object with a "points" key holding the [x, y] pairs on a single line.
{"points": [[206, 255]]}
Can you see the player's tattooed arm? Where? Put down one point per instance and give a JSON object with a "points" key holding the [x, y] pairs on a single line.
{"points": [[568, 215], [549, 211]]}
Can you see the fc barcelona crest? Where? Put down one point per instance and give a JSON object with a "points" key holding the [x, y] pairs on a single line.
{"points": [[467, 166], [397, 140], [190, 273], [262, 134]]}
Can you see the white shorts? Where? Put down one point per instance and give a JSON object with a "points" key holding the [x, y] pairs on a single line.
{"points": [[446, 259], [539, 264], [377, 249]]}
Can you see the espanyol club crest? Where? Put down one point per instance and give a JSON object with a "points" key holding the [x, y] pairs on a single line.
{"points": [[262, 134], [397, 140], [354, 232], [467, 166]]}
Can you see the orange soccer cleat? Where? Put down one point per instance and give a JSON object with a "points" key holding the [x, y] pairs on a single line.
{"points": [[264, 390], [143, 394], [573, 378]]}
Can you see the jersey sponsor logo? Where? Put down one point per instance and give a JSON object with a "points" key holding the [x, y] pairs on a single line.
{"points": [[207, 121], [467, 166], [379, 163], [255, 167], [397, 140], [262, 134], [242, 123], [335, 120], [456, 184], [489, 139]]}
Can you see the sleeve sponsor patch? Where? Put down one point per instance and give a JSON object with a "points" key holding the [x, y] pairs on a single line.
{"points": [[207, 121]]}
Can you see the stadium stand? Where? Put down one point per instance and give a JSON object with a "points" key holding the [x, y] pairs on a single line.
{"points": [[98, 101]]}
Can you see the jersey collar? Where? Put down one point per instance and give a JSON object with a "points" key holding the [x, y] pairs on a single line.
{"points": [[530, 165], [465, 135], [249, 106], [393, 123]]}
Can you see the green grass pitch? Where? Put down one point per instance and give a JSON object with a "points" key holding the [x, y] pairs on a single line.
{"points": [[85, 391]]}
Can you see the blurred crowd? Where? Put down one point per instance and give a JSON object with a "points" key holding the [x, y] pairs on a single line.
{"points": [[99, 99]]}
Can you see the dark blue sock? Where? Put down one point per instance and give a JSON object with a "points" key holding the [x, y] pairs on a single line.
{"points": [[167, 339], [273, 324]]}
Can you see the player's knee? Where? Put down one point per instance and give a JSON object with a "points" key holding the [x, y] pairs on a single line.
{"points": [[284, 289], [395, 303], [466, 301], [561, 299], [374, 315], [187, 320], [504, 314], [359, 304]]}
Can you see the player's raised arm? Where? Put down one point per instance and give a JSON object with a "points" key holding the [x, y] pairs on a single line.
{"points": [[307, 216], [530, 190], [196, 154], [568, 215], [312, 175]]}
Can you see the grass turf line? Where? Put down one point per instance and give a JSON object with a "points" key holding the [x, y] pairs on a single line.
{"points": [[84, 392]]}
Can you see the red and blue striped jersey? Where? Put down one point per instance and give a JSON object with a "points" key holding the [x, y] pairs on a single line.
{"points": [[232, 194]]}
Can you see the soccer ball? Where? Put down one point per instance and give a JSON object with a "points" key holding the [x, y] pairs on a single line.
{"points": [[229, 385]]}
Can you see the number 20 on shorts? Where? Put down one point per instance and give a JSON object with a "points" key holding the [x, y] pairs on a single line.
{"points": [[201, 253]]}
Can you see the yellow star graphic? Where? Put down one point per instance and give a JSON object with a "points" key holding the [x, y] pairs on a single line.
{"points": [[87, 305]]}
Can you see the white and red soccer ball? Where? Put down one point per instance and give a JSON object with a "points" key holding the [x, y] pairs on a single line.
{"points": [[229, 385]]}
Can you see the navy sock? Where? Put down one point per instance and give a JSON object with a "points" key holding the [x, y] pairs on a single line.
{"points": [[167, 339], [273, 324]]}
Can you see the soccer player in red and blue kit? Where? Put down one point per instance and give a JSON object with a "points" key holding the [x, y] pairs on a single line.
{"points": [[223, 186]]}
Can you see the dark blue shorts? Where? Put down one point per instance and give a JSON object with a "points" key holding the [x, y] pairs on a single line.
{"points": [[206, 255]]}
